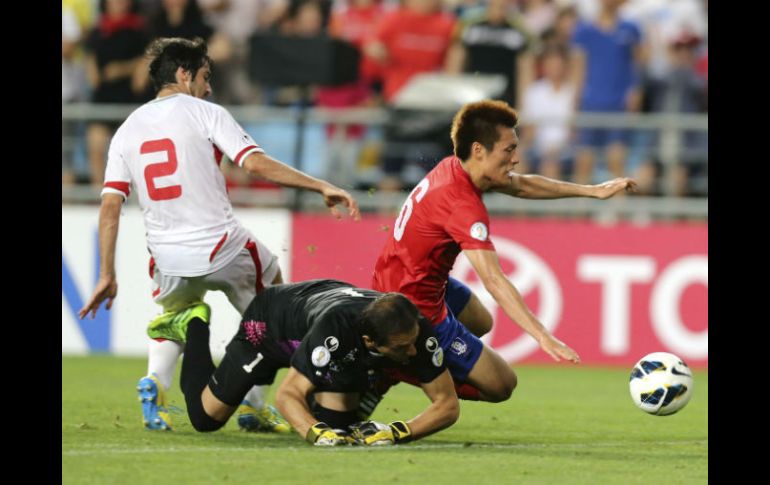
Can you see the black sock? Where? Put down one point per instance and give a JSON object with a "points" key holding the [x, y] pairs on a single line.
{"points": [[197, 365], [197, 368], [335, 419]]}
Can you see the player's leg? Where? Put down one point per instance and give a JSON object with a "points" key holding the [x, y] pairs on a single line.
{"points": [[251, 271], [212, 395], [338, 410], [492, 376], [178, 297], [478, 371], [468, 308]]}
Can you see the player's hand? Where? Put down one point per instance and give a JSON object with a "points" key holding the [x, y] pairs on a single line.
{"points": [[106, 289], [334, 195], [558, 349], [372, 433], [611, 187], [321, 434]]}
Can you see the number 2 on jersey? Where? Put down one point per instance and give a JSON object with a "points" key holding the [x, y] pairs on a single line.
{"points": [[416, 196], [161, 169]]}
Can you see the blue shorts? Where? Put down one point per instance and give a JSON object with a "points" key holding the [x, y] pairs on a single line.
{"points": [[462, 349], [457, 295]]}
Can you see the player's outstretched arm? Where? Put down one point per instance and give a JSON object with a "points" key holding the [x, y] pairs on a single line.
{"points": [[442, 413], [487, 266], [291, 400], [538, 187], [268, 168], [444, 410], [107, 286]]}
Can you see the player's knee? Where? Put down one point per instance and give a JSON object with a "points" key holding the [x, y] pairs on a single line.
{"points": [[205, 423], [503, 388]]}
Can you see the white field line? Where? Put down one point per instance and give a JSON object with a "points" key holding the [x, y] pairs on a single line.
{"points": [[110, 449]]}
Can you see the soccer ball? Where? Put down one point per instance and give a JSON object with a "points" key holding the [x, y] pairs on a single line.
{"points": [[661, 384]]}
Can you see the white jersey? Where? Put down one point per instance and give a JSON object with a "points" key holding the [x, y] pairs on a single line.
{"points": [[169, 151]]}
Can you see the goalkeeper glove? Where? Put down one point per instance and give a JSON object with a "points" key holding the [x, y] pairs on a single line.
{"points": [[321, 434], [372, 433]]}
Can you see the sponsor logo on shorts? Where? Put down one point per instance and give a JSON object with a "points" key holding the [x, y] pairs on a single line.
{"points": [[320, 356], [459, 346], [331, 343]]}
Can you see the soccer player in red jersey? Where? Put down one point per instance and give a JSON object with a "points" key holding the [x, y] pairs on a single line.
{"points": [[444, 215]]}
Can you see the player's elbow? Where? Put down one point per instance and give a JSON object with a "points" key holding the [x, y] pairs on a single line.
{"points": [[446, 412], [451, 412]]}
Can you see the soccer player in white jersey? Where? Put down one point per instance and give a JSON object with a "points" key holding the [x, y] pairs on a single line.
{"points": [[169, 151]]}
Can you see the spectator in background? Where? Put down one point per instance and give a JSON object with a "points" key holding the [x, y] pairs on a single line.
{"points": [[72, 85], [352, 22], [494, 40], [114, 51], [608, 59], [560, 33], [539, 15], [548, 107], [682, 90], [182, 19], [238, 20], [411, 40]]}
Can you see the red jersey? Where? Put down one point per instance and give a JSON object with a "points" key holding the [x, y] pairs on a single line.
{"points": [[443, 215], [416, 43]]}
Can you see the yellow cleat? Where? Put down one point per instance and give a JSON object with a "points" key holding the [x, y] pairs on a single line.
{"points": [[267, 419]]}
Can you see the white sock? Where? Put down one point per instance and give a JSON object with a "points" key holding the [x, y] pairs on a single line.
{"points": [[256, 396], [162, 360]]}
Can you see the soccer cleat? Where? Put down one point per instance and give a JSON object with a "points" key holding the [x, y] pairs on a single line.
{"points": [[266, 419], [153, 398], [173, 325]]}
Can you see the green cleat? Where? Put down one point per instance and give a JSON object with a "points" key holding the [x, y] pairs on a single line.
{"points": [[173, 325]]}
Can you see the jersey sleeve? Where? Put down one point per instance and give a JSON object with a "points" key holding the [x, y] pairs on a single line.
{"points": [[117, 178], [328, 356], [468, 225], [231, 138]]}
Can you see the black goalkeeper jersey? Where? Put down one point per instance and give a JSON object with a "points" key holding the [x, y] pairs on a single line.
{"points": [[313, 326]]}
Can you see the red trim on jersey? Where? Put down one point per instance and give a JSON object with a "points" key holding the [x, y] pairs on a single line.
{"points": [[237, 160], [152, 267], [217, 154], [217, 247], [121, 186], [252, 247], [155, 293]]}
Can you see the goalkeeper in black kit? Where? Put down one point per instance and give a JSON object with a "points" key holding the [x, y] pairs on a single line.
{"points": [[336, 340]]}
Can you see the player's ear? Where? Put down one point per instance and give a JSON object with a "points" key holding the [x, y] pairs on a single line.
{"points": [[182, 75], [477, 149]]}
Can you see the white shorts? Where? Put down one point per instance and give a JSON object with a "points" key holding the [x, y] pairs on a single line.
{"points": [[254, 268]]}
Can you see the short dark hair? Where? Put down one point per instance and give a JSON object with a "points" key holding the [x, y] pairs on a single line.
{"points": [[478, 122], [390, 314], [167, 54]]}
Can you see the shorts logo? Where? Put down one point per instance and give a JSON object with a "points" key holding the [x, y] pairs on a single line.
{"points": [[331, 343], [438, 357], [431, 344], [458, 346], [320, 356], [479, 231]]}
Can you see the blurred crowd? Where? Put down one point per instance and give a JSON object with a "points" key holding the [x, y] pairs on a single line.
{"points": [[557, 58]]}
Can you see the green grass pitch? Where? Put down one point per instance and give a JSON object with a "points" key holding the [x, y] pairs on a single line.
{"points": [[563, 424]]}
